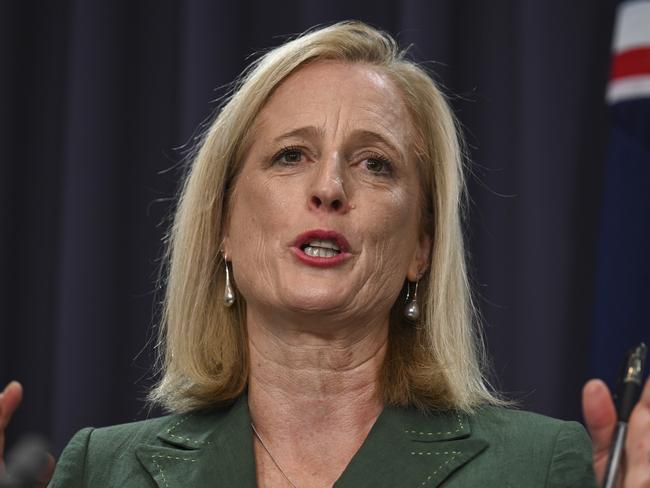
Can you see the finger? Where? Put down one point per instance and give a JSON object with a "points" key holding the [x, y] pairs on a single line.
{"points": [[644, 400], [10, 398], [599, 413], [44, 479], [600, 416], [9, 401], [637, 444]]}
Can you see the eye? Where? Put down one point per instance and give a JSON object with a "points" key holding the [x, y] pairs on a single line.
{"points": [[288, 156], [379, 164]]}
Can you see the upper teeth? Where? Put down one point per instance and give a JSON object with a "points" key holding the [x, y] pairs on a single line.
{"points": [[324, 244]]}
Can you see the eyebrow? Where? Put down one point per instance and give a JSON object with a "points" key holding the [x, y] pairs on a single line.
{"points": [[308, 132], [364, 135], [371, 136]]}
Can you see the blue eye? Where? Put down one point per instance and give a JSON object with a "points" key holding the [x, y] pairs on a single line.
{"points": [[288, 156], [379, 164]]}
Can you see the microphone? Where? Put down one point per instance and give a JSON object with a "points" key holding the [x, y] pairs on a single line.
{"points": [[629, 390], [26, 463]]}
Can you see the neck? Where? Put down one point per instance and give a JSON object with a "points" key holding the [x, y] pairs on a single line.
{"points": [[310, 376], [312, 389]]}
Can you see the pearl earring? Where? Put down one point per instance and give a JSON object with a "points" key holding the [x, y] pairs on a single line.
{"points": [[229, 291], [412, 309]]}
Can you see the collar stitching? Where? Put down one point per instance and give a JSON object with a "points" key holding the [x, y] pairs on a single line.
{"points": [[437, 453], [175, 458], [162, 472], [186, 439], [454, 456], [458, 429]]}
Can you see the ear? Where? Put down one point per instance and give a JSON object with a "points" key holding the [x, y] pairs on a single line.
{"points": [[420, 261]]}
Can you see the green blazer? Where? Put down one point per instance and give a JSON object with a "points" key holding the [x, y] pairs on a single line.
{"points": [[495, 448]]}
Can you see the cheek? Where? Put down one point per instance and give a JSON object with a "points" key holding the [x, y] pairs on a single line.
{"points": [[395, 227], [248, 234], [256, 211], [260, 210], [390, 237]]}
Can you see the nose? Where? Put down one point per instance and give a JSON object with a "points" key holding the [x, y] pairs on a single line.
{"points": [[328, 192]]}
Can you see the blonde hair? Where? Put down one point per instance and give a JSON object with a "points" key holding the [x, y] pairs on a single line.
{"points": [[203, 354]]}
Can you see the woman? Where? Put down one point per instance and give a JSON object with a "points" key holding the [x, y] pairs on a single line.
{"points": [[318, 322]]}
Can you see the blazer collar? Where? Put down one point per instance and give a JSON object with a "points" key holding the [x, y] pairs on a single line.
{"points": [[204, 449], [403, 448], [408, 448]]}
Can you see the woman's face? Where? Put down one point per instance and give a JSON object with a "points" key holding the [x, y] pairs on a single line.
{"points": [[325, 214]]}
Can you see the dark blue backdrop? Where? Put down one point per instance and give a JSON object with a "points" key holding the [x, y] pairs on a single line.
{"points": [[98, 97]]}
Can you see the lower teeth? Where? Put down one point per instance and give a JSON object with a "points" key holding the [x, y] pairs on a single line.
{"points": [[319, 252]]}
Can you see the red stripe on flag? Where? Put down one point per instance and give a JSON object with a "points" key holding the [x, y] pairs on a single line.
{"points": [[631, 63]]}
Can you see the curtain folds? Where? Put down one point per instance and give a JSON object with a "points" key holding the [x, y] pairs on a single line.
{"points": [[101, 99]]}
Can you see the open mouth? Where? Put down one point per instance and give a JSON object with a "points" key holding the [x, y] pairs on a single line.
{"points": [[321, 244], [319, 248]]}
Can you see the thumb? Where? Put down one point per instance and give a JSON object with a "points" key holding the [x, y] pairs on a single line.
{"points": [[10, 398], [600, 416], [49, 471]]}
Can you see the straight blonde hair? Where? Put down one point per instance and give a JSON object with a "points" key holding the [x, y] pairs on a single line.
{"points": [[438, 363]]}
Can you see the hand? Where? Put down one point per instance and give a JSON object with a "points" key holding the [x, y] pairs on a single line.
{"points": [[600, 415], [10, 398]]}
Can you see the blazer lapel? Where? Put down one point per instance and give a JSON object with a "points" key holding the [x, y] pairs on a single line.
{"points": [[406, 448], [213, 449]]}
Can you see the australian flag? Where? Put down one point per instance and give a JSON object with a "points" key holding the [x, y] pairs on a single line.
{"points": [[622, 299]]}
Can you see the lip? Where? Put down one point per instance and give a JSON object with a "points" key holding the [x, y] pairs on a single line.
{"points": [[330, 235]]}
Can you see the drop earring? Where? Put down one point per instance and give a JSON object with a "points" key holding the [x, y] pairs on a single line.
{"points": [[229, 291], [412, 309]]}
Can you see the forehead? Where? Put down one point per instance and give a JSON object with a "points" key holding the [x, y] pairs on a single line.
{"points": [[339, 96]]}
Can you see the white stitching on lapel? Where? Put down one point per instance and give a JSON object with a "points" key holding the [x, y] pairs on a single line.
{"points": [[454, 456], [162, 473], [458, 429], [437, 453], [187, 439], [160, 468]]}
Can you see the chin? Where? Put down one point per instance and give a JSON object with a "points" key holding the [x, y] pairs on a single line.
{"points": [[316, 301]]}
